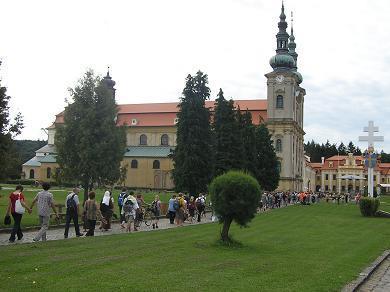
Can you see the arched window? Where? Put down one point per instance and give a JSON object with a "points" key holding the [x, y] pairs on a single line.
{"points": [[31, 173], [134, 163], [278, 146], [279, 101], [279, 166], [156, 164], [48, 172], [164, 140], [143, 140]]}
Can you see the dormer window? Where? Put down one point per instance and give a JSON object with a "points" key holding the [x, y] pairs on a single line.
{"points": [[134, 122]]}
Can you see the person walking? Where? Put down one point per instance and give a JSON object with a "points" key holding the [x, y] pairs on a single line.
{"points": [[171, 209], [156, 210], [17, 206], [121, 198], [106, 207], [72, 204], [92, 213], [180, 210], [129, 211], [44, 200]]}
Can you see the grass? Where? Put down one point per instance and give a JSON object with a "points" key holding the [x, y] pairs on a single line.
{"points": [[300, 248], [59, 197]]}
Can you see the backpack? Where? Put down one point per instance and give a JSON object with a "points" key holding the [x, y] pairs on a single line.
{"points": [[121, 198], [128, 206], [71, 205], [154, 207], [176, 205]]}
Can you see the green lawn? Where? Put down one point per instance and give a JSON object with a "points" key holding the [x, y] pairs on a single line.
{"points": [[299, 248], [59, 197]]}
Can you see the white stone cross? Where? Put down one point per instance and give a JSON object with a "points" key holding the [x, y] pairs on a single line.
{"points": [[371, 138]]}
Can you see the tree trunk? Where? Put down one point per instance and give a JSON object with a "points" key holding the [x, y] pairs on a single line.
{"points": [[225, 229]]}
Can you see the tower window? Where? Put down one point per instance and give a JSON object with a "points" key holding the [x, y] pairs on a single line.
{"points": [[48, 172], [279, 101], [143, 140], [31, 173], [156, 164], [134, 163], [278, 147], [164, 140], [279, 166]]}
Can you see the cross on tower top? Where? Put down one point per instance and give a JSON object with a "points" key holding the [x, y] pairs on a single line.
{"points": [[371, 138]]}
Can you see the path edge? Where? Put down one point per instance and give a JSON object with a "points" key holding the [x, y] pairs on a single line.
{"points": [[366, 273]]}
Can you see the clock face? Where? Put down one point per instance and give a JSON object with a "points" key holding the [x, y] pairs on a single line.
{"points": [[279, 78]]}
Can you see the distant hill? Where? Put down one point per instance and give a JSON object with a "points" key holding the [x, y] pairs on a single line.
{"points": [[26, 148], [22, 151]]}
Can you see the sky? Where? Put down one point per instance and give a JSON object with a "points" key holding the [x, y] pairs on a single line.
{"points": [[152, 45]]}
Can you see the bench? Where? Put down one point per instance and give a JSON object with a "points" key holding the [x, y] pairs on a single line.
{"points": [[60, 212]]}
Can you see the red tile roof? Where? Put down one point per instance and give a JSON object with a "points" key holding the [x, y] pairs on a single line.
{"points": [[164, 114]]}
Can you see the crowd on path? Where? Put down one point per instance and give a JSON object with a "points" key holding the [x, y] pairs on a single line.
{"points": [[132, 211]]}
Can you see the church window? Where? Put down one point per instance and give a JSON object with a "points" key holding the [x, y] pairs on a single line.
{"points": [[326, 188], [278, 147], [143, 140], [156, 164], [48, 172], [164, 140], [31, 173], [326, 176], [134, 163], [334, 177], [279, 101], [334, 188]]}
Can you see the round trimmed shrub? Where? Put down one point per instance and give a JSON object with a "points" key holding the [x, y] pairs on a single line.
{"points": [[369, 206], [235, 196]]}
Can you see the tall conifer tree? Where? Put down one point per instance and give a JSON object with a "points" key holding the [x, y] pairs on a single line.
{"points": [[90, 146], [192, 157], [267, 173], [248, 141], [228, 144]]}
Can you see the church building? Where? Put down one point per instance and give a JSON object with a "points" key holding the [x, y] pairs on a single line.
{"points": [[151, 128]]}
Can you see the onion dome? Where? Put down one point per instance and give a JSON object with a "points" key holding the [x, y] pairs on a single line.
{"points": [[282, 60]]}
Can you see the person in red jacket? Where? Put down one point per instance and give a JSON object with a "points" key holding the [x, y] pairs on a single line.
{"points": [[17, 214]]}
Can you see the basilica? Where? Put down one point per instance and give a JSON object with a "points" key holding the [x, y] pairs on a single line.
{"points": [[151, 128]]}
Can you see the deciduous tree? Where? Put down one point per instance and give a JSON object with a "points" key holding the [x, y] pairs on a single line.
{"points": [[90, 146]]}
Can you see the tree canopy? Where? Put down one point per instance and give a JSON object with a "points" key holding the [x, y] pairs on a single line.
{"points": [[267, 171], [235, 196], [90, 146], [228, 144], [192, 157]]}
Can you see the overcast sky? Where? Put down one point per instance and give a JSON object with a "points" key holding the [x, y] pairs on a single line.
{"points": [[152, 45]]}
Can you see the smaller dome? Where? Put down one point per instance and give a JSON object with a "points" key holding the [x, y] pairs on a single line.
{"points": [[299, 76], [282, 61]]}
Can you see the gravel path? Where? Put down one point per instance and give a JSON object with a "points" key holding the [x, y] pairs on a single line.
{"points": [[58, 233], [379, 281]]}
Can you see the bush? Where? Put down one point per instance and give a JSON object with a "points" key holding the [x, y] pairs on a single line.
{"points": [[369, 206], [234, 196]]}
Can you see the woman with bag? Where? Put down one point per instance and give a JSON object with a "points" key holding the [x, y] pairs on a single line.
{"points": [[17, 207]]}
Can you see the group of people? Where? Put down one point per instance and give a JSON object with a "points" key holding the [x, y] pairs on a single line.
{"points": [[181, 208], [271, 200], [130, 210]]}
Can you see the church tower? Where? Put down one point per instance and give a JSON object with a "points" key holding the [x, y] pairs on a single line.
{"points": [[109, 83], [285, 100]]}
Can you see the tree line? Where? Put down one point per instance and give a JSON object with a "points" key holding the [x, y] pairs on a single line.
{"points": [[210, 145], [315, 150]]}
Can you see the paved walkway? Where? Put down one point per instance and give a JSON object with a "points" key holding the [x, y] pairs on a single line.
{"points": [[58, 233], [379, 281]]}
